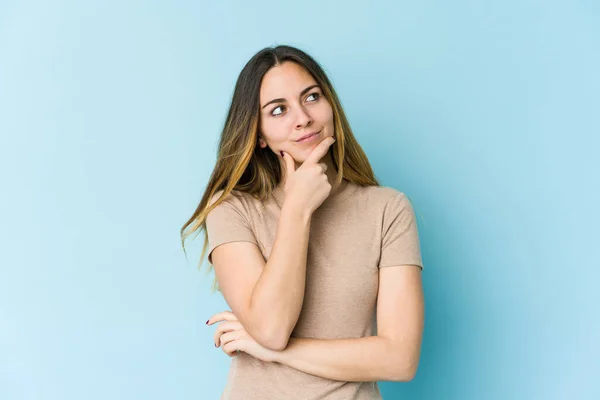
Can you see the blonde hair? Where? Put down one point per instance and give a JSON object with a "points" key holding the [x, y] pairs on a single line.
{"points": [[242, 165]]}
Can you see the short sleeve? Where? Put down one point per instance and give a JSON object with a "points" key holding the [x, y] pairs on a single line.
{"points": [[225, 224], [400, 236]]}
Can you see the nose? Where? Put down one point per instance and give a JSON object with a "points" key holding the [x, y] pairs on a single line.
{"points": [[303, 118]]}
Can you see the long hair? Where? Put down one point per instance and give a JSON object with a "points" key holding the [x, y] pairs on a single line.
{"points": [[242, 165]]}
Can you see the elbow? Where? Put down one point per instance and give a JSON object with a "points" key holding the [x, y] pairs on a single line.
{"points": [[270, 334], [403, 363], [406, 376], [276, 341], [276, 345], [404, 373]]}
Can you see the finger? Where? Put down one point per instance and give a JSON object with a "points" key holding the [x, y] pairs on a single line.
{"points": [[229, 336], [290, 164], [324, 166], [319, 151], [222, 316], [223, 328], [231, 348]]}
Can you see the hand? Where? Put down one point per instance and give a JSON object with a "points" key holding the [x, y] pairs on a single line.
{"points": [[308, 185], [233, 338]]}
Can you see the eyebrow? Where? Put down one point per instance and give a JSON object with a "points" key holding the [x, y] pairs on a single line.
{"points": [[283, 100]]}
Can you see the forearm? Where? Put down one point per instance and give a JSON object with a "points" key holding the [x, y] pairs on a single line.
{"points": [[372, 358], [278, 295]]}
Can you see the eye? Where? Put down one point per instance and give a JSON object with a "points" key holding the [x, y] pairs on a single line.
{"points": [[314, 94], [276, 114]]}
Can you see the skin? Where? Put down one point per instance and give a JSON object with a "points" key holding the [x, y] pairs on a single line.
{"points": [[282, 123]]}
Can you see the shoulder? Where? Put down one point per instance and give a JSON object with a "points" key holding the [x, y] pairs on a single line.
{"points": [[241, 202], [383, 196], [233, 198], [385, 204]]}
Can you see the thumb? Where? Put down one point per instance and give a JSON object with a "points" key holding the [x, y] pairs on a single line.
{"points": [[290, 165]]}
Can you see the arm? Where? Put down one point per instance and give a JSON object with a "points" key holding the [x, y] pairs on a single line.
{"points": [[279, 292], [392, 355], [267, 297]]}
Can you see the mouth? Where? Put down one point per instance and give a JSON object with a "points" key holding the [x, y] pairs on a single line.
{"points": [[308, 136]]}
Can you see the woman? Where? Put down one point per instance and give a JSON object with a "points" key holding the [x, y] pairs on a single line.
{"points": [[302, 239]]}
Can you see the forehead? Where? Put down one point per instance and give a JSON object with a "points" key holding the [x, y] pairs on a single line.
{"points": [[287, 79]]}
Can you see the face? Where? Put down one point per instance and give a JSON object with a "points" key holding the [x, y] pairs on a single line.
{"points": [[292, 106]]}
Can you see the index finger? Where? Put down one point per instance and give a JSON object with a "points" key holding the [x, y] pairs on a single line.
{"points": [[319, 151], [222, 316]]}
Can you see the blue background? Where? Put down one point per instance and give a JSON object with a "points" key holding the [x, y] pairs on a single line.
{"points": [[487, 114]]}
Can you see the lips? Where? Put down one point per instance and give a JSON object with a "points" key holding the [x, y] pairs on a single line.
{"points": [[308, 135]]}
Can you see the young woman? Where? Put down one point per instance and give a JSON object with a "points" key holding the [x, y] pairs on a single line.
{"points": [[320, 265]]}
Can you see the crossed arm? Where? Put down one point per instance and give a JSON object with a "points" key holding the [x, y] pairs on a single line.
{"points": [[392, 355]]}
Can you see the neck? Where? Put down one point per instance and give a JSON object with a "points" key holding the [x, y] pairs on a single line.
{"points": [[332, 175]]}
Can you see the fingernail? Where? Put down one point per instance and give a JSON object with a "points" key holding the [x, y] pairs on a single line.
{"points": [[216, 345], [207, 321], [281, 152]]}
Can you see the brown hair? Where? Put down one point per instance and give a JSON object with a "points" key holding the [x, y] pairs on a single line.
{"points": [[242, 165]]}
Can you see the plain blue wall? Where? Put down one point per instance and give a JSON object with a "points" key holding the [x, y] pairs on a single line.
{"points": [[485, 113]]}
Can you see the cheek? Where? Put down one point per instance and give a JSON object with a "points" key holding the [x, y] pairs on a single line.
{"points": [[324, 114], [274, 133], [275, 130]]}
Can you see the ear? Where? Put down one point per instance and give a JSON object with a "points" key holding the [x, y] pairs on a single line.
{"points": [[261, 142]]}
